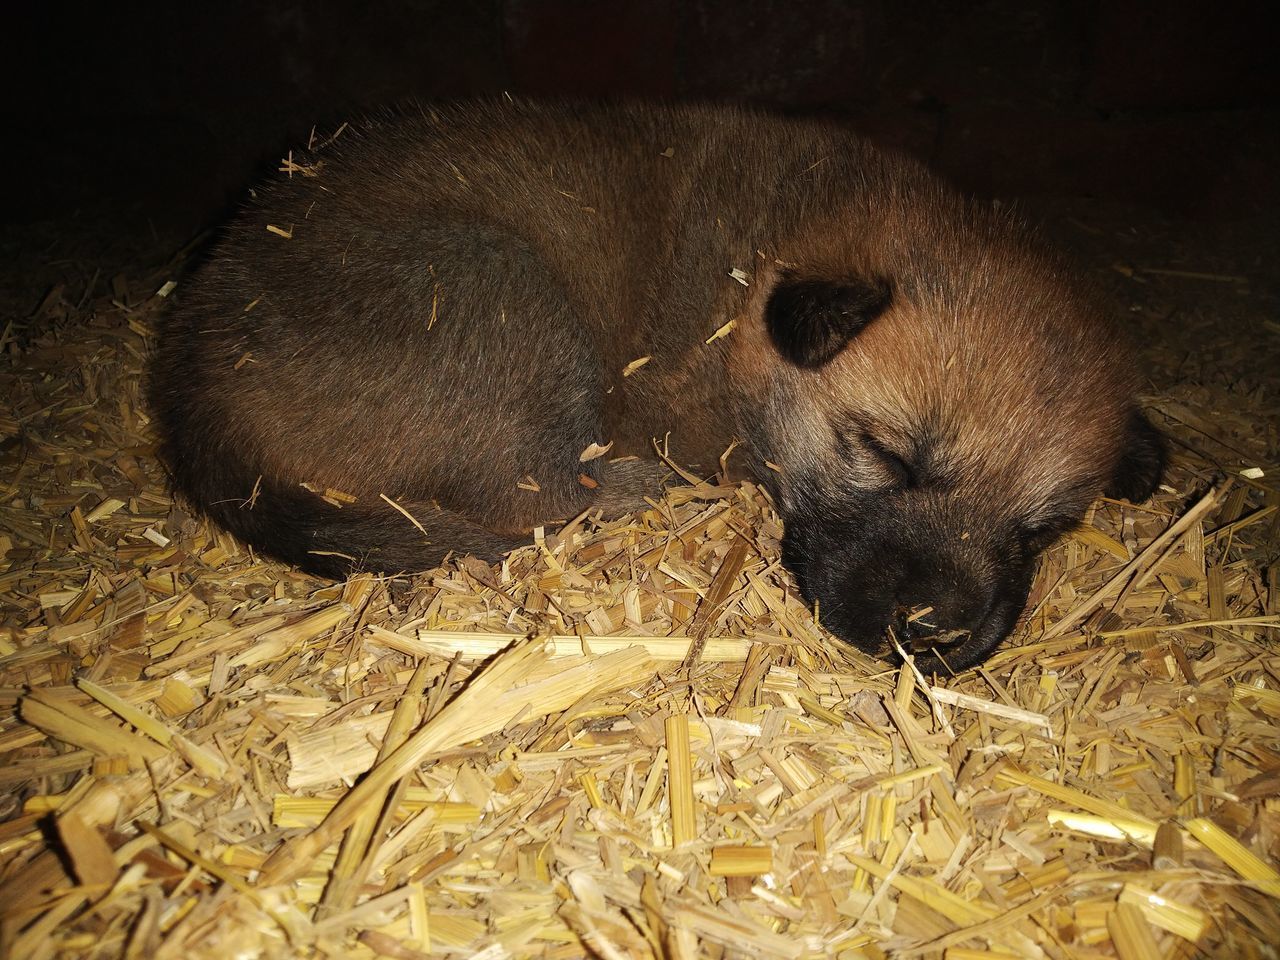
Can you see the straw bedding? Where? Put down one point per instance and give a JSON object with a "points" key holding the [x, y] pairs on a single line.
{"points": [[630, 739]]}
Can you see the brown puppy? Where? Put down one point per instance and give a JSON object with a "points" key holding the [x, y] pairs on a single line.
{"points": [[437, 306]]}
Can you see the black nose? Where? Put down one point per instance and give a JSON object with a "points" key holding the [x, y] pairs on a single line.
{"points": [[922, 622], [915, 623], [923, 630], [951, 601], [937, 604]]}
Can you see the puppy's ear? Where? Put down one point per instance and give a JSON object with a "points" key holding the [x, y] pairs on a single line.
{"points": [[1142, 462], [810, 321]]}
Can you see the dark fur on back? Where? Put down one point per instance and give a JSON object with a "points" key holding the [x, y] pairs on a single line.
{"points": [[436, 310]]}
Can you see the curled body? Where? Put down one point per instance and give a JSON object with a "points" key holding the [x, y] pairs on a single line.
{"points": [[443, 308]]}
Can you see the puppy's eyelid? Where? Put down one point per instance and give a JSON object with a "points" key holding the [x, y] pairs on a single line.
{"points": [[859, 443], [900, 466]]}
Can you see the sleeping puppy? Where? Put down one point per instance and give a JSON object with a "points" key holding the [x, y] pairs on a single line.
{"points": [[439, 309]]}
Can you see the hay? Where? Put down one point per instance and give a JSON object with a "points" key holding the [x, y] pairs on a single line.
{"points": [[630, 739]]}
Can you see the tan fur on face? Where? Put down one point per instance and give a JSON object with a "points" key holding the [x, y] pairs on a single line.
{"points": [[1009, 375]]}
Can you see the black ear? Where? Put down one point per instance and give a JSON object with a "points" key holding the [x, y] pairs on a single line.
{"points": [[1142, 462], [810, 321]]}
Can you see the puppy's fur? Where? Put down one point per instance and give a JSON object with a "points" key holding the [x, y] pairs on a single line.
{"points": [[457, 293]]}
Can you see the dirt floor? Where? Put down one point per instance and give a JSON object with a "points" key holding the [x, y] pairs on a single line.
{"points": [[185, 730]]}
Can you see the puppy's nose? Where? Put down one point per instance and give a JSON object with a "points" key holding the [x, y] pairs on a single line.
{"points": [[924, 627], [916, 623]]}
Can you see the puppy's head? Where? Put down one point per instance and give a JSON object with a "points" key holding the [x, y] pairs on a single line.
{"points": [[933, 435]]}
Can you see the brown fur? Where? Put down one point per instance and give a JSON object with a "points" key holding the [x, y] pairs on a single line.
{"points": [[462, 290]]}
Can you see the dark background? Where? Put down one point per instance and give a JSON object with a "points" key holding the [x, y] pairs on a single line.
{"points": [[132, 127]]}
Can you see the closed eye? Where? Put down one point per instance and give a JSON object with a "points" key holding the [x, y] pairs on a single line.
{"points": [[901, 471]]}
